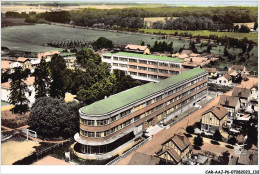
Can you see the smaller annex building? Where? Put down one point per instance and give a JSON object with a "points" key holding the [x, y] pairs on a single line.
{"points": [[114, 121], [144, 67]]}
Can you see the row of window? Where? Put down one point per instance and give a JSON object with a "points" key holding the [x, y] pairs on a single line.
{"points": [[143, 61], [136, 118], [92, 122], [147, 103], [120, 65], [151, 69], [149, 75]]}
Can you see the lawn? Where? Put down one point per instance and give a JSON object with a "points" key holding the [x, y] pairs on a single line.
{"points": [[250, 36]]}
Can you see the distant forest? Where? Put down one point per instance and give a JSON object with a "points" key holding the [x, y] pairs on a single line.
{"points": [[190, 18]]}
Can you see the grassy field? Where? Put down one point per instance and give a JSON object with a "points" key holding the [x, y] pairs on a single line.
{"points": [[34, 38], [250, 36]]}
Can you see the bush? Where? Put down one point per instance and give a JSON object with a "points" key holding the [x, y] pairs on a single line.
{"points": [[190, 129], [230, 147], [53, 118], [232, 140], [198, 142], [244, 29], [214, 142], [217, 136]]}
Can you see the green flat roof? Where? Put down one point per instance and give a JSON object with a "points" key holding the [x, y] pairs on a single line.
{"points": [[64, 54], [131, 95], [152, 57]]}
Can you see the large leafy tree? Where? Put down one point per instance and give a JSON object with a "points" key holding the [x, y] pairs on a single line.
{"points": [[42, 79], [93, 80], [58, 82], [102, 42], [86, 56], [97, 91], [52, 118], [123, 82], [18, 90]]}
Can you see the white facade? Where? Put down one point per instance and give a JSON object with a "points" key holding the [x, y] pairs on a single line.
{"points": [[34, 64], [14, 65], [5, 92], [223, 81], [143, 68]]}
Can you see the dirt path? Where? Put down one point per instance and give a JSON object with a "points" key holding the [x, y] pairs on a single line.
{"points": [[154, 145]]}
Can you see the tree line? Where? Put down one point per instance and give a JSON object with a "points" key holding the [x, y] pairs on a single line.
{"points": [[194, 23], [210, 18]]}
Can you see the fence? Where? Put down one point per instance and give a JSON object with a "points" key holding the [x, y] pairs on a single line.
{"points": [[6, 137], [39, 154], [128, 152], [49, 149]]}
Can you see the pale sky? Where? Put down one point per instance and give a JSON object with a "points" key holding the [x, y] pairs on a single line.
{"points": [[174, 2]]}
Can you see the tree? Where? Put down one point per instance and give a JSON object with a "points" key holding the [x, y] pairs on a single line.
{"points": [[42, 79], [250, 47], [244, 48], [236, 28], [224, 158], [255, 25], [209, 48], [5, 76], [198, 142], [217, 136], [53, 118], [244, 29], [232, 140], [193, 47], [86, 57], [57, 69], [102, 42], [190, 129], [18, 91], [123, 82], [155, 47], [170, 47]]}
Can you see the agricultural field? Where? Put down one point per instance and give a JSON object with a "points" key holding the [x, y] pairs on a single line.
{"points": [[250, 36], [35, 38]]}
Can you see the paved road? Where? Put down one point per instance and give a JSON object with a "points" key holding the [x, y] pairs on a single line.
{"points": [[154, 145]]}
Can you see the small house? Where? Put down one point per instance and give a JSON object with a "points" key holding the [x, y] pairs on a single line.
{"points": [[214, 119], [176, 149]]}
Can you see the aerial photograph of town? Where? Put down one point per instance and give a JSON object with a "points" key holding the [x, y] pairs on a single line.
{"points": [[130, 83]]}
